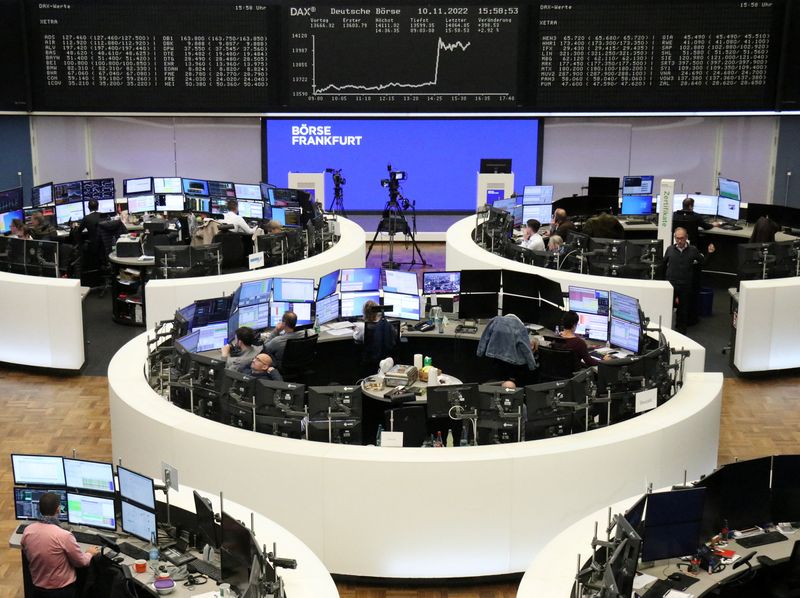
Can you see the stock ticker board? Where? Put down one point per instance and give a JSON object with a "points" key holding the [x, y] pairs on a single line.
{"points": [[390, 57], [151, 55]]}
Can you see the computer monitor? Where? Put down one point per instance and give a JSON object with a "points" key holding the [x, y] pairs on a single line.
{"points": [[69, 212], [251, 209], [520, 283], [293, 289], [235, 553], [441, 283], [98, 189], [248, 191], [104, 206], [138, 522], [336, 401], [507, 204], [404, 307], [626, 335], [480, 281], [401, 282], [171, 185], [38, 470], [637, 185], [328, 309], [729, 189], [705, 205], [212, 336], [42, 195], [353, 303], [169, 203], [91, 511], [495, 166], [7, 218], [526, 309], [26, 503], [588, 301], [327, 284], [672, 524], [303, 310], [254, 292], [208, 529], [67, 192], [195, 187], [785, 488], [541, 212], [256, 317], [221, 189], [136, 487], [728, 208], [537, 194], [442, 399], [359, 279], [278, 398], [94, 476], [624, 307], [635, 515], [477, 306], [637, 205], [141, 203], [592, 325], [219, 205], [603, 186], [136, 186], [279, 215], [282, 198]]}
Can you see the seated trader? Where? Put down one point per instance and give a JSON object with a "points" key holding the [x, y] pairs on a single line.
{"points": [[18, 230], [275, 343], [261, 367], [382, 340], [561, 224], [371, 314], [691, 222], [681, 262], [555, 244], [90, 223], [604, 226], [53, 552], [41, 230], [764, 230], [239, 354], [274, 227], [232, 217], [571, 342], [531, 239]]}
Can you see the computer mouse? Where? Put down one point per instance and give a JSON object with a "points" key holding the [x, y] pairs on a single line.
{"points": [[118, 559], [675, 577]]}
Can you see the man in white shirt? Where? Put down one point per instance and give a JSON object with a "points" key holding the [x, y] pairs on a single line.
{"points": [[232, 217], [531, 239]]}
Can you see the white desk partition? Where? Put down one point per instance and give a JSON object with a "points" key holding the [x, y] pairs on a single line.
{"points": [[41, 320], [163, 297], [417, 513], [462, 253], [767, 326]]}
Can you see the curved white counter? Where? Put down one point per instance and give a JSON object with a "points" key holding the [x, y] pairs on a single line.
{"points": [[416, 513], [42, 321], [655, 296], [163, 297]]}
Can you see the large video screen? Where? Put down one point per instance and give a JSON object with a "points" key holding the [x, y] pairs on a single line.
{"points": [[440, 156]]}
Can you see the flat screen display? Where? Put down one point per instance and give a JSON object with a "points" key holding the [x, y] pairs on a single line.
{"points": [[253, 210], [703, 204], [728, 208], [212, 336], [254, 316], [301, 309], [624, 307], [138, 522], [7, 218], [136, 487], [398, 281], [190, 341], [729, 189], [133, 186], [89, 475], [405, 307], [42, 195], [637, 185], [141, 203], [254, 292], [11, 200], [441, 283], [537, 194], [672, 524], [327, 285], [41, 470], [293, 289], [353, 303], [92, 511], [592, 325], [69, 212], [588, 301], [68, 192], [625, 335], [167, 185], [360, 279], [170, 203], [637, 205], [328, 309], [221, 189], [26, 502], [541, 212], [104, 206], [247, 191], [195, 187]]}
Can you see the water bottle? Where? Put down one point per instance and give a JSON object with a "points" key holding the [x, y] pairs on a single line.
{"points": [[438, 443], [154, 554], [438, 319], [449, 438], [464, 437], [316, 325], [378, 435]]}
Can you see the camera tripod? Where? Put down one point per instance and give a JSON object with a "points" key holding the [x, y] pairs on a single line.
{"points": [[393, 221], [337, 203]]}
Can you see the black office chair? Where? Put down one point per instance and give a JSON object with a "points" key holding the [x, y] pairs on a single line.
{"points": [[298, 356], [411, 421], [555, 364], [232, 249], [783, 581]]}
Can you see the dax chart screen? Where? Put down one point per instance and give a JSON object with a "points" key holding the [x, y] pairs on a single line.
{"points": [[386, 57]]}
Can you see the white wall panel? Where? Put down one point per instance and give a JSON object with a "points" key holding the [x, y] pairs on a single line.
{"points": [[747, 150], [59, 148], [225, 149]]}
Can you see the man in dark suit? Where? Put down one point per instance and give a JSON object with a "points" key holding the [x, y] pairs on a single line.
{"points": [[90, 222], [690, 220]]}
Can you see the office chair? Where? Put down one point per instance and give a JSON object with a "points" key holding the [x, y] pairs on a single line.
{"points": [[783, 581], [411, 421], [555, 364], [232, 249], [106, 578], [298, 356]]}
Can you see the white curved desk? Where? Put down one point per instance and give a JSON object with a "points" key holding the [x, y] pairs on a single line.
{"points": [[42, 321], [163, 297], [416, 513], [655, 296]]}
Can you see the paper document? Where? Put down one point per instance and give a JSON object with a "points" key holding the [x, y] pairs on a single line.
{"points": [[603, 350], [640, 580], [677, 594], [335, 325], [341, 332]]}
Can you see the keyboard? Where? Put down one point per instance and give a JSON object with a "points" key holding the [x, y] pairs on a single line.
{"points": [[86, 538], [761, 539], [730, 227], [205, 568], [132, 551], [658, 589], [637, 222]]}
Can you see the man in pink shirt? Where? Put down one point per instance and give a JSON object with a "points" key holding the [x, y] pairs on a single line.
{"points": [[53, 552]]}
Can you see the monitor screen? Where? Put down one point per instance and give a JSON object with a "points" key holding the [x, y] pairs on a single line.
{"points": [[98, 189], [92, 511], [136, 487], [141, 204], [104, 206], [401, 282], [637, 205], [728, 208], [8, 217], [219, 205], [170, 203], [89, 475], [603, 186], [221, 189], [360, 279], [293, 289], [41, 470], [637, 185], [672, 524], [625, 335], [138, 522], [441, 283], [68, 192], [254, 316], [133, 186], [42, 195], [167, 185], [301, 309], [190, 341], [207, 528], [537, 194], [195, 187], [279, 215], [251, 209], [248, 191], [505, 204], [635, 515], [282, 198], [705, 205], [592, 325], [212, 336], [624, 307], [69, 212], [11, 200], [541, 212], [480, 281], [254, 292], [405, 307], [353, 303], [588, 301], [327, 285], [26, 502], [328, 309], [729, 189]]}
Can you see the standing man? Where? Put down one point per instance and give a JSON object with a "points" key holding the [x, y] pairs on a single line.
{"points": [[691, 222], [531, 239], [232, 217], [90, 223], [682, 261], [53, 552]]}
